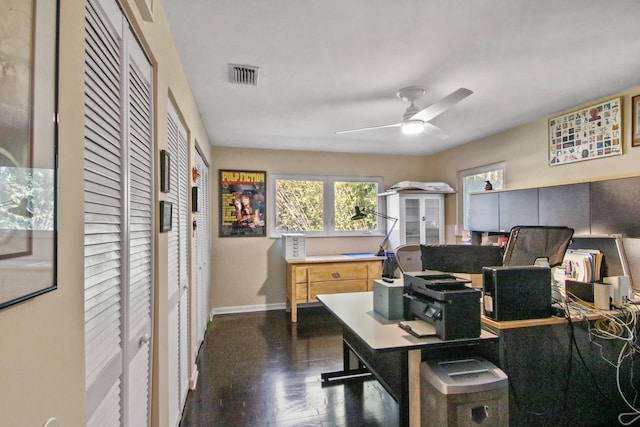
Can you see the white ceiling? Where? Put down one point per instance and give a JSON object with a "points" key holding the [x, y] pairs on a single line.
{"points": [[330, 65]]}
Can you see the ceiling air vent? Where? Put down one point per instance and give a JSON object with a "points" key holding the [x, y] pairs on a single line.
{"points": [[243, 74]]}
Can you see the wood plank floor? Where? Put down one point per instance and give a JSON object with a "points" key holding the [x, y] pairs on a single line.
{"points": [[259, 369]]}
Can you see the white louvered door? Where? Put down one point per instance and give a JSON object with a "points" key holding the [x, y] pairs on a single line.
{"points": [[202, 252], [178, 273], [139, 236], [118, 221]]}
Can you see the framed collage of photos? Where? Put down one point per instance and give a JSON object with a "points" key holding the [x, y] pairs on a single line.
{"points": [[589, 133]]}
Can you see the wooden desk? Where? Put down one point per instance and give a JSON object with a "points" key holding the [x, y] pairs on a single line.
{"points": [[391, 354], [331, 274]]}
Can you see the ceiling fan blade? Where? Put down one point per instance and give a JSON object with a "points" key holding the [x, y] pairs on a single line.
{"points": [[441, 106], [433, 130], [371, 128]]}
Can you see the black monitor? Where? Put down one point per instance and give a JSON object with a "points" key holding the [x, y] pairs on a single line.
{"points": [[537, 245]]}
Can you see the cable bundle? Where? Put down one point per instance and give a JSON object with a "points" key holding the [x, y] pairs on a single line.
{"points": [[620, 324]]}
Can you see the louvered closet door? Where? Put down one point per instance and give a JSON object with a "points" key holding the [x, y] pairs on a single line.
{"points": [[178, 280], [118, 239], [202, 253], [139, 236]]}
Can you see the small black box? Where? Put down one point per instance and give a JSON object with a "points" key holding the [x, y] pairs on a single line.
{"points": [[516, 292]]}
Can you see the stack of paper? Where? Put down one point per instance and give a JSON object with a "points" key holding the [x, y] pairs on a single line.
{"points": [[435, 187], [582, 264]]}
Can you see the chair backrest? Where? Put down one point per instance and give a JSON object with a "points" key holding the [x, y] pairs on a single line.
{"points": [[409, 257]]}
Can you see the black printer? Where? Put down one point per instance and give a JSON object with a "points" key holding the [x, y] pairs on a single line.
{"points": [[444, 301]]}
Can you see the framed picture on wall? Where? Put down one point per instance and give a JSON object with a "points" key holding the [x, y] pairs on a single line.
{"points": [[165, 171], [166, 216], [589, 133], [28, 147], [635, 121], [242, 203]]}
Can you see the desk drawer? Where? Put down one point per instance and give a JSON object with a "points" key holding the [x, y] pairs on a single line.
{"points": [[337, 271], [336, 287]]}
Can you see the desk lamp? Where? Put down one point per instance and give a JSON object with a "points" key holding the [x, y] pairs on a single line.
{"points": [[362, 213]]}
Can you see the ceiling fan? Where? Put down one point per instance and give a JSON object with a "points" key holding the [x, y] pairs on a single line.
{"points": [[416, 120]]}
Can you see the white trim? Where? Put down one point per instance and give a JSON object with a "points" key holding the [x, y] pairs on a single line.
{"points": [[193, 381], [258, 307]]}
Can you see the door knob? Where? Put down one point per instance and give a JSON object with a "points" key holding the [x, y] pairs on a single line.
{"points": [[144, 340]]}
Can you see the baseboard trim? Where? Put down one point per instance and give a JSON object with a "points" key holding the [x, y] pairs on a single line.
{"points": [[193, 381], [247, 308], [259, 307]]}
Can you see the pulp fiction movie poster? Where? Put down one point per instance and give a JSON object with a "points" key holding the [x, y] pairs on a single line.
{"points": [[242, 203]]}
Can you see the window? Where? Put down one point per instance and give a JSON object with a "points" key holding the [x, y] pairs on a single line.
{"points": [[323, 205], [472, 180]]}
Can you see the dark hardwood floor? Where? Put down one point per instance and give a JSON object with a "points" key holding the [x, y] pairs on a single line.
{"points": [[259, 369]]}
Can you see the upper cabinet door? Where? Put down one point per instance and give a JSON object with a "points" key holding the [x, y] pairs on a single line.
{"points": [[615, 205], [565, 205], [518, 207], [484, 212], [420, 218], [432, 217]]}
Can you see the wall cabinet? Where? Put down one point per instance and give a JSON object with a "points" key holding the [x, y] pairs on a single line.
{"points": [[420, 218], [615, 206], [598, 207], [484, 212], [566, 205], [519, 207], [500, 211]]}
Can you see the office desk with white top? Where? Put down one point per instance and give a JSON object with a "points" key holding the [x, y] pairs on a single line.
{"points": [[391, 354]]}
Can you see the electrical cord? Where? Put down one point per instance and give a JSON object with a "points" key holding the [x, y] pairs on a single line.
{"points": [[574, 343], [635, 413], [622, 327]]}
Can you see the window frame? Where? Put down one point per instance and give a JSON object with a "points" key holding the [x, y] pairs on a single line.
{"points": [[327, 205], [463, 196]]}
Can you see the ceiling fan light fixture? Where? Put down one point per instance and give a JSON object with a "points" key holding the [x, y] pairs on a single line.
{"points": [[412, 127]]}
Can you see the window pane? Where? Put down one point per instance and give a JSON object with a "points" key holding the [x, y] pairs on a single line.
{"points": [[299, 205], [348, 195]]}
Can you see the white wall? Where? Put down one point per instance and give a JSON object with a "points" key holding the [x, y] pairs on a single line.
{"points": [[250, 271]]}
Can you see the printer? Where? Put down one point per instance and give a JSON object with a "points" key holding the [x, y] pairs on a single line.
{"points": [[521, 287], [444, 301]]}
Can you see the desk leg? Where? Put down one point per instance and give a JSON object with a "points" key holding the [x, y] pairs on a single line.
{"points": [[352, 368], [294, 312], [409, 399], [413, 372]]}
